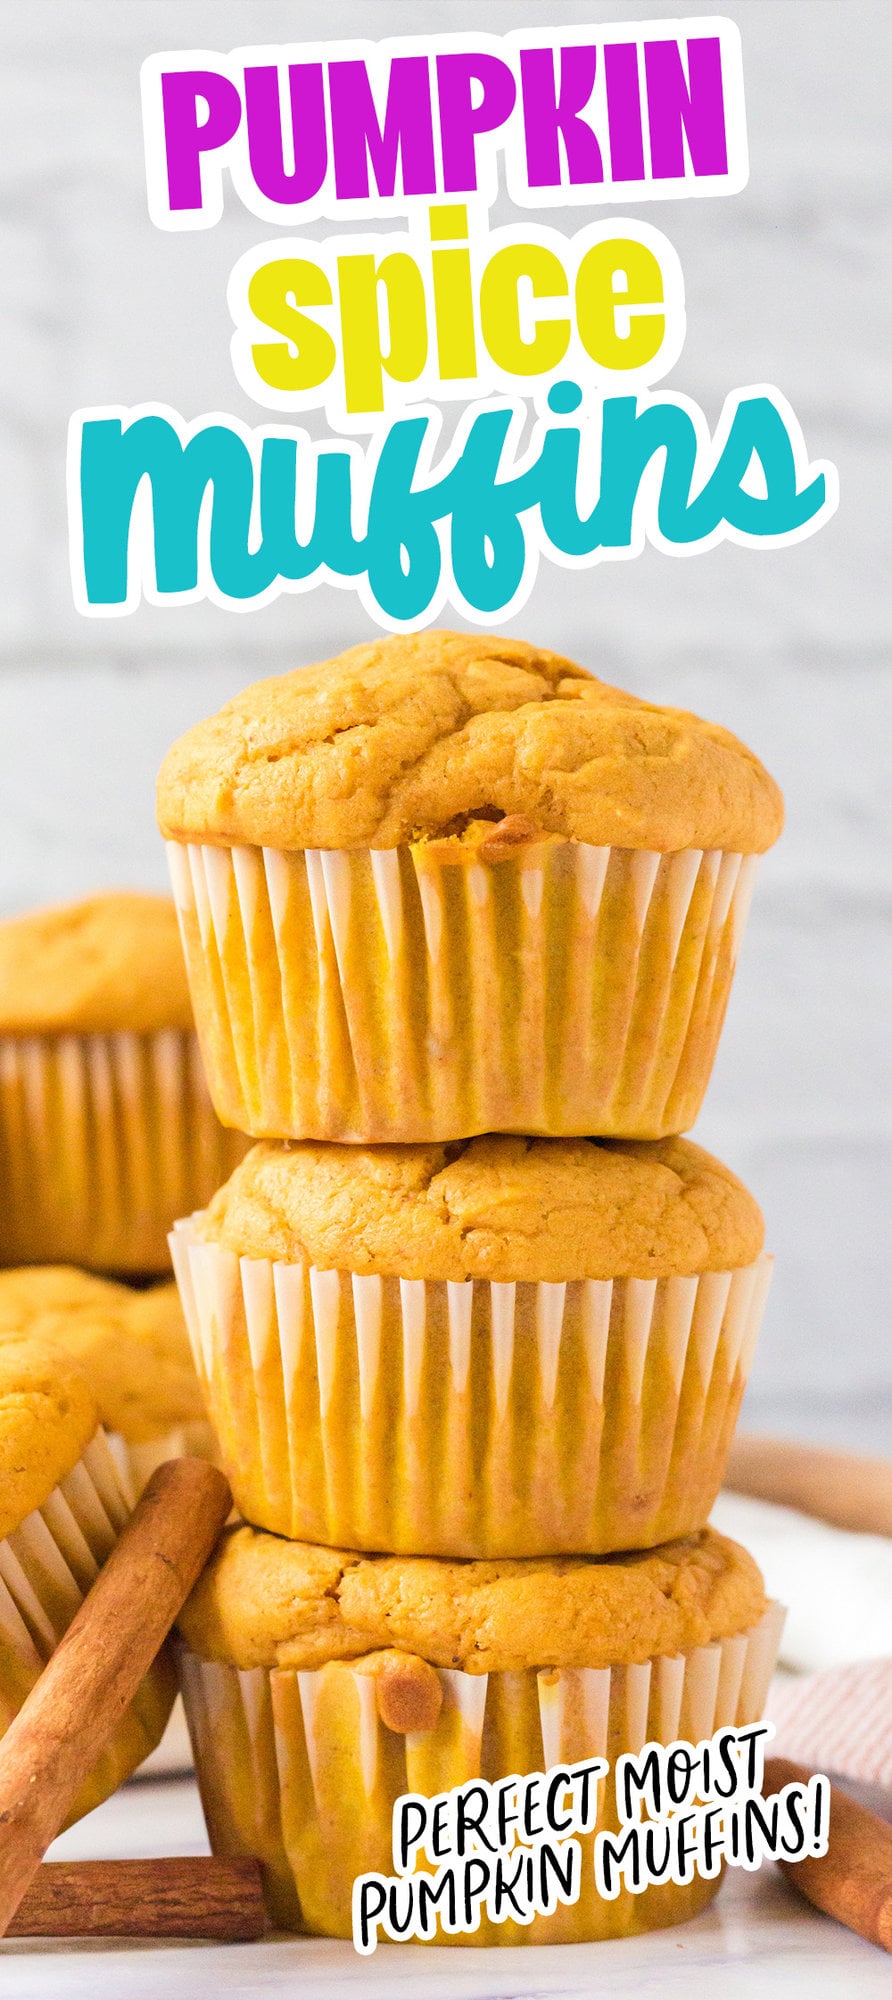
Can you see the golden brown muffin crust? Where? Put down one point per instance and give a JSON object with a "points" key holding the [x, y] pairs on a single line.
{"points": [[264, 1602], [403, 738], [132, 1345], [108, 963], [47, 1416], [497, 1207]]}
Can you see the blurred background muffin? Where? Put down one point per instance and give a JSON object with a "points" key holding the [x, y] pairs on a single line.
{"points": [[134, 1350], [63, 1504], [106, 1128]]}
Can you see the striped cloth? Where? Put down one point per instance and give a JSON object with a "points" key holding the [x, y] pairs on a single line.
{"points": [[838, 1721]]}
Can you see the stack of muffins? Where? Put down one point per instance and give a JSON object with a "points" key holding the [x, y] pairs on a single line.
{"points": [[460, 924]]}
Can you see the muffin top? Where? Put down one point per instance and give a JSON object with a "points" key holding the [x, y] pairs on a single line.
{"points": [[47, 1416], [265, 1602], [112, 961], [411, 737], [497, 1207], [131, 1345]]}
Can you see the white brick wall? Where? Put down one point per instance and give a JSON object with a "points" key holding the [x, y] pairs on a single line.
{"points": [[786, 283]]}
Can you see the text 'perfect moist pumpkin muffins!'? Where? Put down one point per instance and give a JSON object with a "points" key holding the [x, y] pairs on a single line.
{"points": [[320, 1687], [448, 884], [62, 1508], [107, 1132], [504, 1346], [134, 1349]]}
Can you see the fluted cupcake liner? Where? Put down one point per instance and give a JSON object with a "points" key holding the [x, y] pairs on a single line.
{"points": [[137, 1461], [421, 993], [298, 1768], [47, 1566], [471, 1419], [104, 1139]]}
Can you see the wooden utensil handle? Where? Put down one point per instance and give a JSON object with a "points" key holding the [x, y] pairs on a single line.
{"points": [[87, 1683], [853, 1880], [836, 1486], [189, 1896]]}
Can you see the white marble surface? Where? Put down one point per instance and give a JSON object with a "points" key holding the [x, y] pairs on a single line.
{"points": [[758, 1942]]}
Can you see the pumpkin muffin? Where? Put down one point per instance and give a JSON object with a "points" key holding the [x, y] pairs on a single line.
{"points": [[499, 1346], [62, 1507], [106, 1128], [449, 883], [321, 1686], [134, 1350]]}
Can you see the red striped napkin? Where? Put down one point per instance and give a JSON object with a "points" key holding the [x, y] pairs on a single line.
{"points": [[838, 1721]]}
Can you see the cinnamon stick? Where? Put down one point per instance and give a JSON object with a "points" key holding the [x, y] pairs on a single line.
{"points": [[837, 1486], [190, 1896], [51, 1745], [853, 1880]]}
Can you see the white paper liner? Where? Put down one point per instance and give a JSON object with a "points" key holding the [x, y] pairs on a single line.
{"points": [[137, 1462], [397, 995], [47, 1566], [104, 1139], [297, 1767], [472, 1419]]}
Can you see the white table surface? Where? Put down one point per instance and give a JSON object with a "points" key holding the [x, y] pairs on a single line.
{"points": [[759, 1940]]}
